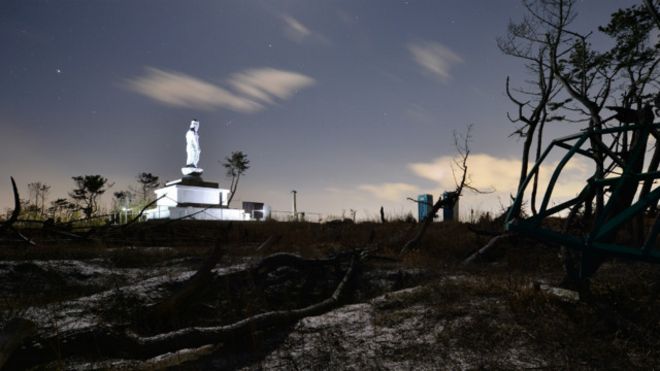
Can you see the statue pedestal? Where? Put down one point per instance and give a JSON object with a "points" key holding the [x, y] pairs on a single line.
{"points": [[191, 170], [193, 196]]}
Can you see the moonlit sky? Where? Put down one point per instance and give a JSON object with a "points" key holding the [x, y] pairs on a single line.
{"points": [[351, 103]]}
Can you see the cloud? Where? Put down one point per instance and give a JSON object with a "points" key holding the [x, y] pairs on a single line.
{"points": [[254, 89], [390, 191], [500, 175], [267, 83], [435, 58], [295, 30]]}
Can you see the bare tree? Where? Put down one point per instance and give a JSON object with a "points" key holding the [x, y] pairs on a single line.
{"points": [[38, 192], [462, 180], [592, 82], [61, 209], [524, 41]]}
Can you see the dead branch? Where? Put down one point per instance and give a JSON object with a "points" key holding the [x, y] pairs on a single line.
{"points": [[139, 215], [654, 12], [463, 150], [272, 240], [195, 336], [57, 230], [291, 260], [8, 225], [159, 362], [176, 358], [17, 208], [483, 232], [414, 242], [486, 247], [116, 342], [419, 202], [108, 227]]}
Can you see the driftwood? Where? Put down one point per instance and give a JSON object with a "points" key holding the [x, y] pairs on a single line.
{"points": [[190, 343], [159, 362], [12, 336], [196, 336]]}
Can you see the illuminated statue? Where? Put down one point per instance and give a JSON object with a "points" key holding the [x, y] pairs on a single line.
{"points": [[192, 144], [192, 150]]}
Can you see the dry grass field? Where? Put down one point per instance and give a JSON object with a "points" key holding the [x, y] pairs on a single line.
{"points": [[102, 303]]}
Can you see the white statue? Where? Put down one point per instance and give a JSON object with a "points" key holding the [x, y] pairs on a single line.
{"points": [[192, 149]]}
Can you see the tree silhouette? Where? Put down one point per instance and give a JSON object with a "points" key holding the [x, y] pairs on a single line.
{"points": [[88, 189], [61, 208], [236, 165], [122, 199], [590, 82], [38, 192], [148, 182]]}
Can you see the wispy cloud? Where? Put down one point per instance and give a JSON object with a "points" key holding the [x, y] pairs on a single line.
{"points": [[435, 58], [267, 83], [390, 191], [297, 32], [253, 89]]}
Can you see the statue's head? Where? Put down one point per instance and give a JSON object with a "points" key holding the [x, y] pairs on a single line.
{"points": [[194, 124]]}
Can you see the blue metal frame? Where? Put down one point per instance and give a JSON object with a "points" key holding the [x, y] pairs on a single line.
{"points": [[605, 225]]}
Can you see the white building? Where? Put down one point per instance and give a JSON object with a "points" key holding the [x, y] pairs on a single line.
{"points": [[194, 198]]}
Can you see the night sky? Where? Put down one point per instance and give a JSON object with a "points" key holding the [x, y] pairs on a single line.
{"points": [[351, 103]]}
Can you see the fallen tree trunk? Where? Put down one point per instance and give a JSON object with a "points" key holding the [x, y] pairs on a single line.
{"points": [[196, 336], [159, 362], [122, 343]]}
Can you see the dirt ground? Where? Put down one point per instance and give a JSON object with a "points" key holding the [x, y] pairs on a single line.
{"points": [[423, 310]]}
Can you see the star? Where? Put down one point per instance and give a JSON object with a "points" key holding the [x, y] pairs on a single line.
{"points": [[58, 71]]}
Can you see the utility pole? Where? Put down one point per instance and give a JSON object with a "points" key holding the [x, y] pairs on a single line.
{"points": [[295, 207]]}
